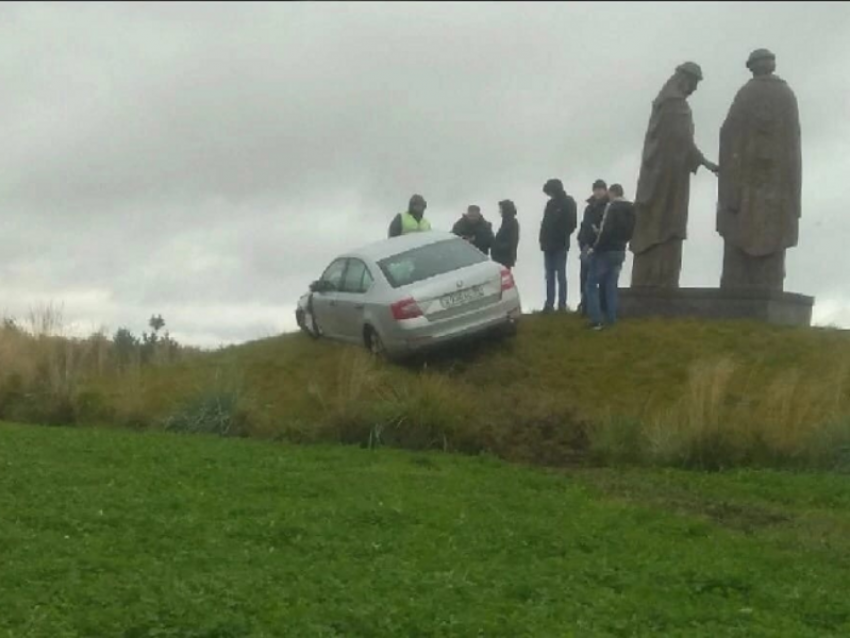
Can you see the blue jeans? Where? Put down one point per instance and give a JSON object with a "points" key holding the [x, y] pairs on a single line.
{"points": [[604, 272], [556, 267]]}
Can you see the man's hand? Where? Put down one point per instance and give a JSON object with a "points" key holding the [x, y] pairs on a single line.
{"points": [[714, 168]]}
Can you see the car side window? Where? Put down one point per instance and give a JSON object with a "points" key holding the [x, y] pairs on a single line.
{"points": [[367, 281], [355, 277], [334, 273]]}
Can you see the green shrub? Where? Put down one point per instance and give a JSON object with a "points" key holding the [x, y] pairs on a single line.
{"points": [[618, 440], [211, 412]]}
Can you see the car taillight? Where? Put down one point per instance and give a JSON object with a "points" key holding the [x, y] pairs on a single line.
{"points": [[405, 309], [507, 280]]}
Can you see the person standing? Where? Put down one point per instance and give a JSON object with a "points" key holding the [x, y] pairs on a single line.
{"points": [[760, 186], [507, 239], [670, 155], [413, 221], [588, 230], [559, 222], [606, 257], [475, 229]]}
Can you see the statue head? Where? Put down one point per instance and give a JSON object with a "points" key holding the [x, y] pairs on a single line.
{"points": [[761, 62], [689, 75]]}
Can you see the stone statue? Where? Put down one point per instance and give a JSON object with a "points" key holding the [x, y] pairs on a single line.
{"points": [[669, 157], [758, 207]]}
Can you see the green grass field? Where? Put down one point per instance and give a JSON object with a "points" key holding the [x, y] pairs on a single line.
{"points": [[112, 533]]}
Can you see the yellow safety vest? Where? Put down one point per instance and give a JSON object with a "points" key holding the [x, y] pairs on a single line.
{"points": [[410, 225]]}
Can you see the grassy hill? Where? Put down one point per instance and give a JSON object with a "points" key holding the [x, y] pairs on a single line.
{"points": [[685, 392], [109, 533]]}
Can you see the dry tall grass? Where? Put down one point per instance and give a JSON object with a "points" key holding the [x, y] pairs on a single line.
{"points": [[44, 370], [729, 416], [692, 394]]}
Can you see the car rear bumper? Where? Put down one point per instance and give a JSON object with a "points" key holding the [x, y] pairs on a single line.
{"points": [[420, 335]]}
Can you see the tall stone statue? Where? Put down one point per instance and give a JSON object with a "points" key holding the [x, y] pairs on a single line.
{"points": [[661, 202], [758, 207]]}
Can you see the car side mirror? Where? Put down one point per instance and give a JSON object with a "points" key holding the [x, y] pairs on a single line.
{"points": [[321, 286]]}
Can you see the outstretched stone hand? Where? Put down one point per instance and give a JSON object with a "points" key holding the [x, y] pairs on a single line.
{"points": [[714, 168]]}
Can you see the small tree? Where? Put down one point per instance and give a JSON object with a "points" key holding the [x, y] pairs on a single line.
{"points": [[157, 323], [126, 344], [151, 341]]}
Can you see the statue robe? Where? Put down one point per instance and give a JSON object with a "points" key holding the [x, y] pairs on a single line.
{"points": [[669, 157], [760, 180]]}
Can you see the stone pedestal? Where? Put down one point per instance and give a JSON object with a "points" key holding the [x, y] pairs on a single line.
{"points": [[782, 308]]}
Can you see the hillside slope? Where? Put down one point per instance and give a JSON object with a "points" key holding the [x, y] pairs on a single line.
{"points": [[739, 387]]}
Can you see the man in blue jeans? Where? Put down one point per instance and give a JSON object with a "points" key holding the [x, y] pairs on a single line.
{"points": [[559, 222], [606, 257]]}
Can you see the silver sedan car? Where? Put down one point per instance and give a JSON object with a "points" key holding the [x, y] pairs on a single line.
{"points": [[403, 295]]}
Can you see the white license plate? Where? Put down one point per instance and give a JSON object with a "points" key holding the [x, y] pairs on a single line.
{"points": [[461, 297]]}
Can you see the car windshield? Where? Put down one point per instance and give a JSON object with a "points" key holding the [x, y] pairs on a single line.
{"points": [[429, 261]]}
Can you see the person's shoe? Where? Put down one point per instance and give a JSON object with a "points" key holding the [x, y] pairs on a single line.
{"points": [[547, 310], [596, 327]]}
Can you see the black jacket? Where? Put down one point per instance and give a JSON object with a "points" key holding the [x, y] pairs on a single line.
{"points": [[559, 222], [592, 217], [479, 233], [506, 242], [618, 225]]}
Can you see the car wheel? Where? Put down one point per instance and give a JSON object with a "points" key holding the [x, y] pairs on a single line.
{"points": [[313, 330], [510, 330], [315, 333], [299, 319], [375, 344]]}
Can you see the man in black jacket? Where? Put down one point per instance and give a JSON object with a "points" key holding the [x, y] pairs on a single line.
{"points": [[559, 222], [507, 239], [606, 256], [588, 230], [475, 229]]}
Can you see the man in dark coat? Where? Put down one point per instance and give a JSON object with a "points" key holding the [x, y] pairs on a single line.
{"points": [[559, 222], [475, 229], [590, 222], [759, 192], [507, 239], [661, 202], [607, 255]]}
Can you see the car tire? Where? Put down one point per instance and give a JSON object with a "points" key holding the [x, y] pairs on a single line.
{"points": [[374, 344], [510, 330], [313, 331]]}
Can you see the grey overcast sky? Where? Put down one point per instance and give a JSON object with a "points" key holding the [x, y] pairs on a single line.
{"points": [[206, 160]]}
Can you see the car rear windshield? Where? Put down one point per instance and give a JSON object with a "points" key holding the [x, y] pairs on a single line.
{"points": [[429, 261]]}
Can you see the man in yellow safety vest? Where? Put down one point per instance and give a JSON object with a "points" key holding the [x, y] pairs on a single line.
{"points": [[413, 221]]}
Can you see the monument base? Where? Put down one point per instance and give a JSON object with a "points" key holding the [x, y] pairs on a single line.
{"points": [[781, 308]]}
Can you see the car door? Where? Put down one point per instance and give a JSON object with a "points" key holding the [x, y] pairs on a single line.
{"points": [[351, 300], [325, 301]]}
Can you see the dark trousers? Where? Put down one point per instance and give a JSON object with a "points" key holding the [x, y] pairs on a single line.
{"points": [[555, 262], [604, 270], [603, 297]]}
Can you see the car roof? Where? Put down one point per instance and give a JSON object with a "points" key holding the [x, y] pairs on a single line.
{"points": [[396, 245]]}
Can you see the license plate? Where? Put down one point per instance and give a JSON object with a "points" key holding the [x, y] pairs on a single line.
{"points": [[461, 297]]}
